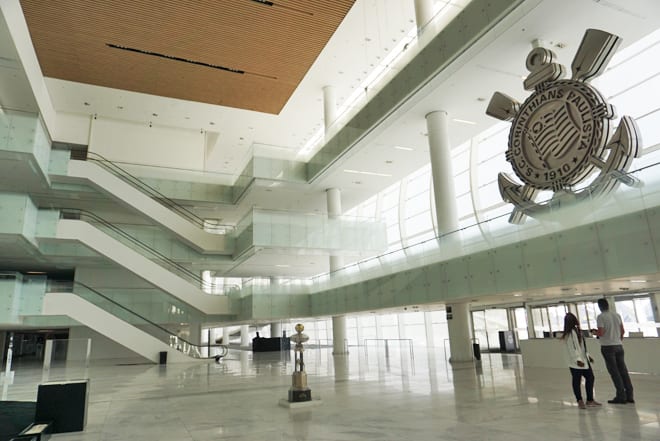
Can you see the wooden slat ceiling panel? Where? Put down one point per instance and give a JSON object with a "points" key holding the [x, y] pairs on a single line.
{"points": [[274, 45]]}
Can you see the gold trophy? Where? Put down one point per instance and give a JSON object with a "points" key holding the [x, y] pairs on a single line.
{"points": [[299, 391]]}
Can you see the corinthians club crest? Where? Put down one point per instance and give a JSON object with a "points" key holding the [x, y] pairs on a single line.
{"points": [[560, 135]]}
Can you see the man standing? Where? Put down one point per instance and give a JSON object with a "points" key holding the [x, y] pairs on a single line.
{"points": [[610, 332]]}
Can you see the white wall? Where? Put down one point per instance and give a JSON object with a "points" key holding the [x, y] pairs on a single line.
{"points": [[140, 144], [642, 354], [72, 128]]}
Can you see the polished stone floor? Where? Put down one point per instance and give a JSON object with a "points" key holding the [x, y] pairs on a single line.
{"points": [[365, 396]]}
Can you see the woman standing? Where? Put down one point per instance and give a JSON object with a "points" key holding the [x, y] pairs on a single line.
{"points": [[579, 361]]}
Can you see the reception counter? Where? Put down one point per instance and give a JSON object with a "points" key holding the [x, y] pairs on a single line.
{"points": [[642, 354]]}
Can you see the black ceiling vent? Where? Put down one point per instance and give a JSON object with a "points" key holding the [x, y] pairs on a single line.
{"points": [[185, 60], [173, 58]]}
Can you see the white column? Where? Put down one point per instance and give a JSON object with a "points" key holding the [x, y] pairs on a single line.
{"points": [[458, 321], [225, 335], [442, 171], [655, 304], [276, 329], [339, 335], [245, 338], [460, 336], [530, 321], [329, 106], [428, 327], [423, 12], [333, 198]]}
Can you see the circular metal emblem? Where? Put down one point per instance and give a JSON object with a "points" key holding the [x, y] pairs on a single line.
{"points": [[555, 133], [560, 135]]}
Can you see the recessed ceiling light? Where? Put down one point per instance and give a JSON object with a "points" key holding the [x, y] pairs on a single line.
{"points": [[367, 173], [638, 281], [517, 295], [578, 294], [464, 121], [408, 149], [283, 266]]}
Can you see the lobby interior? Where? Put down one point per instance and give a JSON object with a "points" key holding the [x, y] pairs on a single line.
{"points": [[276, 163]]}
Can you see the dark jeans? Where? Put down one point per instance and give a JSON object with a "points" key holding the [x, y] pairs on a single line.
{"points": [[616, 366], [589, 383]]}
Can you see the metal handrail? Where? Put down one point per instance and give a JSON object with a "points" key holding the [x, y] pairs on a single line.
{"points": [[146, 188]]}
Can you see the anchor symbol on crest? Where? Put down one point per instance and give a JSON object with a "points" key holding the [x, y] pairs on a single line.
{"points": [[560, 135]]}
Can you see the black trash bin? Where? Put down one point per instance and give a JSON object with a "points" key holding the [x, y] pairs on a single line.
{"points": [[477, 350], [162, 359]]}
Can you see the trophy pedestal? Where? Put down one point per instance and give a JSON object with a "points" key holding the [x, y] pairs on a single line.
{"points": [[300, 395], [299, 391]]}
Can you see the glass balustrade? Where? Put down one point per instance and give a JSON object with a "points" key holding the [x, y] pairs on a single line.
{"points": [[25, 132], [561, 214]]}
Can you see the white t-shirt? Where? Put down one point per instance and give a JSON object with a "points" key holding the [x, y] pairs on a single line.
{"points": [[611, 322]]}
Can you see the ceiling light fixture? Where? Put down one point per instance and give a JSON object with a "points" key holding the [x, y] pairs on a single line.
{"points": [[184, 60], [385, 175], [277, 5], [638, 281], [464, 121], [407, 149]]}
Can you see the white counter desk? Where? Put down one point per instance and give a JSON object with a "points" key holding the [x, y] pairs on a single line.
{"points": [[642, 354]]}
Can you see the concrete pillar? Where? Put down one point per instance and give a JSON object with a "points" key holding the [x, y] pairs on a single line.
{"points": [[339, 335], [329, 106], [333, 198], [428, 327], [530, 321], [460, 334], [442, 171], [245, 338], [423, 12], [276, 329], [458, 320]]}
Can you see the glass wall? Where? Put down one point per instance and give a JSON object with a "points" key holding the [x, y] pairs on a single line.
{"points": [[487, 325], [637, 315], [636, 311]]}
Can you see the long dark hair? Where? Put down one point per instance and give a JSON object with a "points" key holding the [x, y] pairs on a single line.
{"points": [[571, 323]]}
